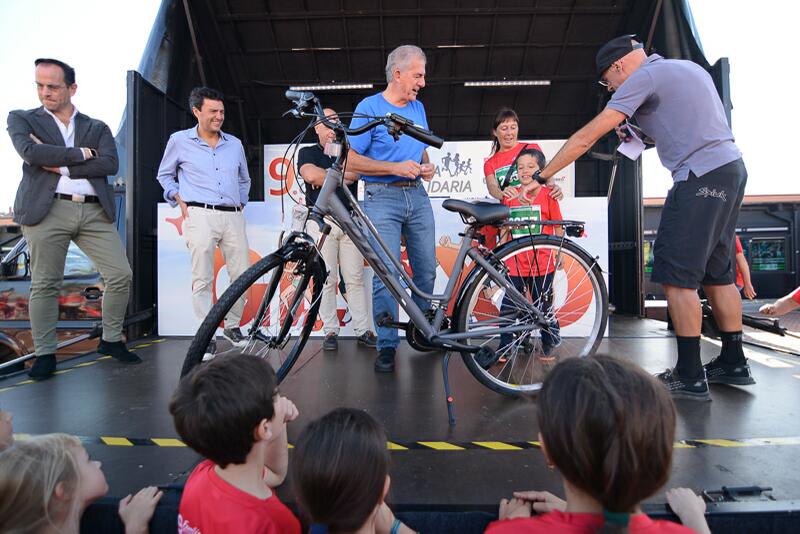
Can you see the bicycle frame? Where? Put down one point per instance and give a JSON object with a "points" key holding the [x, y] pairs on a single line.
{"points": [[328, 204]]}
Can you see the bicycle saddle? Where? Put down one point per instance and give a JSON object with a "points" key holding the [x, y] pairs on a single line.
{"points": [[477, 212]]}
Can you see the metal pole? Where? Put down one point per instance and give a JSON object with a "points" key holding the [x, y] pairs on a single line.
{"points": [[197, 55], [613, 177], [657, 12], [94, 332]]}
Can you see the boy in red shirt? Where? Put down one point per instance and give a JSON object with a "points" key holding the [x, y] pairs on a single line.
{"points": [[532, 271], [743, 282], [783, 305], [608, 429], [229, 411]]}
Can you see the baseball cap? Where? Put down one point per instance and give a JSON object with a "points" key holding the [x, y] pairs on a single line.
{"points": [[613, 50]]}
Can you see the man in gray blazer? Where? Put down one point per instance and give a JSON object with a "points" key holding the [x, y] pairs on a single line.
{"points": [[65, 196]]}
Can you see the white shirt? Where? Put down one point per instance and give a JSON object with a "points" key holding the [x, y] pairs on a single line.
{"points": [[66, 184]]}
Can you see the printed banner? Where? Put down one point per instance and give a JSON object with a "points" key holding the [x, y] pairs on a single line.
{"points": [[459, 174]]}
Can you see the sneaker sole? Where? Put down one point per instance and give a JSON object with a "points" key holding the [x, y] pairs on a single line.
{"points": [[126, 362], [688, 395], [384, 369], [732, 381], [241, 343]]}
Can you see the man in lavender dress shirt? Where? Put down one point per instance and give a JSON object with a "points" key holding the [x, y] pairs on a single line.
{"points": [[204, 171]]}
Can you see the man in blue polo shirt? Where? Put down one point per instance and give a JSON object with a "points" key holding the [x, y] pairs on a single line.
{"points": [[674, 104], [394, 197]]}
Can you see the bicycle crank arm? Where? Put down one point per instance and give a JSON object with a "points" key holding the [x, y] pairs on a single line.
{"points": [[385, 320], [437, 341]]}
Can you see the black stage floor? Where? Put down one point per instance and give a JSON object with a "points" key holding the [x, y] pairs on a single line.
{"points": [[745, 436]]}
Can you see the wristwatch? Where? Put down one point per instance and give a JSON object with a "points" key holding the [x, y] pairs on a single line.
{"points": [[538, 177]]}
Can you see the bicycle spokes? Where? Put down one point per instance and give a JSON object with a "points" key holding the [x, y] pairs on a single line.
{"points": [[281, 315], [562, 318]]}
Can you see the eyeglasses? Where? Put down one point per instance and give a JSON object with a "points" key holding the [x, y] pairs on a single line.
{"points": [[50, 86], [604, 83]]}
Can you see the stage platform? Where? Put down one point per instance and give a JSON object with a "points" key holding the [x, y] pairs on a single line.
{"points": [[745, 436]]}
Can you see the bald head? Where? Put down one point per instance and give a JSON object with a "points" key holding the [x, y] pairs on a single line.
{"points": [[325, 134]]}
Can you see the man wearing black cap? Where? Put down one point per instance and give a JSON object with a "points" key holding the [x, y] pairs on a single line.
{"points": [[674, 104]]}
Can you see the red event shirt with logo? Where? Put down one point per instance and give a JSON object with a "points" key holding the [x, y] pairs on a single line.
{"points": [[210, 505], [573, 523], [500, 163], [545, 208]]}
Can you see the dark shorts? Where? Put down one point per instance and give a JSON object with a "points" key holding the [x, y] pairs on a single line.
{"points": [[696, 243]]}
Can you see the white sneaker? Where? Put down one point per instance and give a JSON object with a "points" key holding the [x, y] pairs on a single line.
{"points": [[234, 335], [211, 351]]}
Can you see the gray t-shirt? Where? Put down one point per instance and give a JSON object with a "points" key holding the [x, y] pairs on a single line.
{"points": [[676, 104]]}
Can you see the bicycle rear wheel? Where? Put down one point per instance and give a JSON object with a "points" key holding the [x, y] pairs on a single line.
{"points": [[559, 279], [283, 294]]}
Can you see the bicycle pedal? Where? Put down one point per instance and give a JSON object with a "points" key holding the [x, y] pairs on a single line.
{"points": [[486, 357], [385, 320]]}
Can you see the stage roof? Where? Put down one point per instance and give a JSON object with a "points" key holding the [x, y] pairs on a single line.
{"points": [[253, 50]]}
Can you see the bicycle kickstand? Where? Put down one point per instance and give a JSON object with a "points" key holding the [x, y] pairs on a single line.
{"points": [[451, 416]]}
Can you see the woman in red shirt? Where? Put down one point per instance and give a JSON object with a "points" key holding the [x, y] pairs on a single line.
{"points": [[608, 428], [505, 147], [501, 179]]}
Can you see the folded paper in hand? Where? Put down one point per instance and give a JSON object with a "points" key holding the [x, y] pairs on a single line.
{"points": [[632, 148]]}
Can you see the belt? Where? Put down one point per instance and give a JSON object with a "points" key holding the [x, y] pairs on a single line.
{"points": [[77, 198], [212, 206], [404, 183]]}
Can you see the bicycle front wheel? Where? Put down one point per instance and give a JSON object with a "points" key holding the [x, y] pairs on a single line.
{"points": [[560, 280], [283, 296]]}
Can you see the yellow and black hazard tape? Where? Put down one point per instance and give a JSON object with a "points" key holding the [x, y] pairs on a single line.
{"points": [[449, 445], [81, 365]]}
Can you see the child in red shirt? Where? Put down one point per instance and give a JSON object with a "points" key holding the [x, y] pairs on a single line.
{"points": [[230, 412], [743, 282], [532, 271], [608, 428], [783, 305]]}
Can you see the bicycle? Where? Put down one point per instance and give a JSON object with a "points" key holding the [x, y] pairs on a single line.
{"points": [[516, 310]]}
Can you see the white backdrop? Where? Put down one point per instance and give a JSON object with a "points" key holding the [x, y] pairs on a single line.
{"points": [[456, 177]]}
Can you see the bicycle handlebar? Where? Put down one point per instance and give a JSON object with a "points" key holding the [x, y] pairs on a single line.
{"points": [[394, 123], [412, 130]]}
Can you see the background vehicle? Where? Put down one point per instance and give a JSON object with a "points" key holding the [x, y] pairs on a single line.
{"points": [[80, 301]]}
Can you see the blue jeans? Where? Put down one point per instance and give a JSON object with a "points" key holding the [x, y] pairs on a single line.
{"points": [[396, 211]]}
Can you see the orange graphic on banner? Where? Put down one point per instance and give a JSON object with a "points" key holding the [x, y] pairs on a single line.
{"points": [[579, 293], [254, 294], [288, 285], [579, 288], [277, 168]]}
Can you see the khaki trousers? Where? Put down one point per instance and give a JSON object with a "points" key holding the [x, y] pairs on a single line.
{"points": [[340, 253], [88, 226], [204, 230]]}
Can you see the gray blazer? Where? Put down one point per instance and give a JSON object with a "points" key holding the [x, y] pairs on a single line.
{"points": [[35, 193]]}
